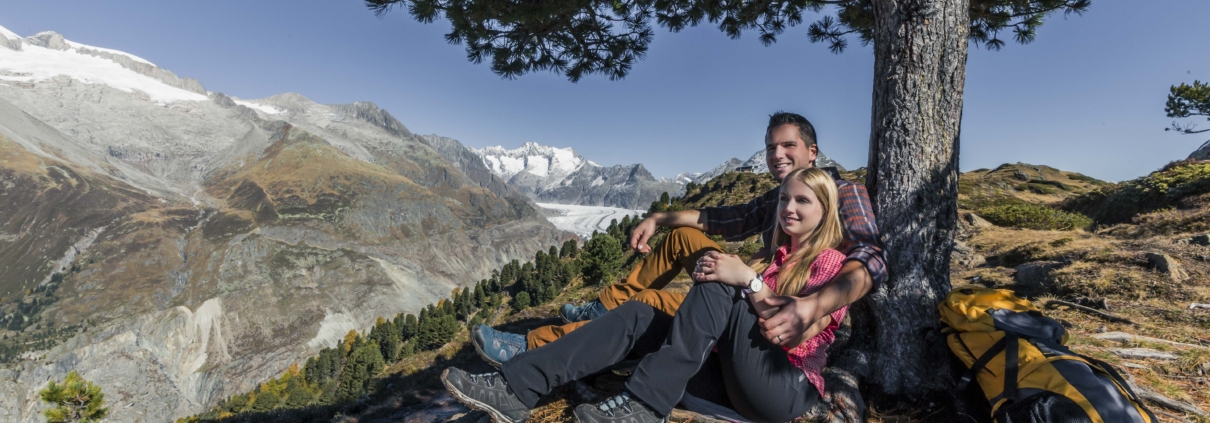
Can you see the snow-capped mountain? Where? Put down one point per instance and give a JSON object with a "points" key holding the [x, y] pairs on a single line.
{"points": [[562, 176], [757, 164]]}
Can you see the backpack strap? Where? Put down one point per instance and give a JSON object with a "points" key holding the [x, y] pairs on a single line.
{"points": [[1011, 360], [981, 362]]}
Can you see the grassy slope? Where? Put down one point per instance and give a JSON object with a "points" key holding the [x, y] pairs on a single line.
{"points": [[1109, 264], [1100, 265]]}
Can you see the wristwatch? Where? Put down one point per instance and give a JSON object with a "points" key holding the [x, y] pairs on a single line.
{"points": [[755, 285]]}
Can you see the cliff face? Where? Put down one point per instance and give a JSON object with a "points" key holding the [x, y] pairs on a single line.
{"points": [[178, 250]]}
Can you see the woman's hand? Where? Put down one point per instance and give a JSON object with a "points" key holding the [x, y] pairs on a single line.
{"points": [[723, 268]]}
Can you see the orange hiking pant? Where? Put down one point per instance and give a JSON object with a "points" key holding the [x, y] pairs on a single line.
{"points": [[680, 250]]}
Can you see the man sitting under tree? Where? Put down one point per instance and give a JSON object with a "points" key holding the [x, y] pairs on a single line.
{"points": [[790, 143]]}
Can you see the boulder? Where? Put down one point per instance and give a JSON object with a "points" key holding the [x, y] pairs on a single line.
{"points": [[977, 222], [965, 256], [1035, 278], [1202, 240], [1167, 264]]}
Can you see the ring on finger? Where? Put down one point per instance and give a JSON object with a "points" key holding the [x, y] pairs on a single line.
{"points": [[779, 338]]}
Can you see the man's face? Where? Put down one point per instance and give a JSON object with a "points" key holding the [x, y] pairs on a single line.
{"points": [[785, 151]]}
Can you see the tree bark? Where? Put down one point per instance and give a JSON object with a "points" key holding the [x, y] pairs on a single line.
{"points": [[920, 51]]}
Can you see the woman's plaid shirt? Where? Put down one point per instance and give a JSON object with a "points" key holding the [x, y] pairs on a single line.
{"points": [[736, 223]]}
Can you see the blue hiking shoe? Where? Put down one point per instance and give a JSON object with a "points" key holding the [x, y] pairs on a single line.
{"points": [[590, 310], [496, 347]]}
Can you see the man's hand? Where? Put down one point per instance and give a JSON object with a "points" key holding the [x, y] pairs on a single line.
{"points": [[641, 233], [792, 322]]}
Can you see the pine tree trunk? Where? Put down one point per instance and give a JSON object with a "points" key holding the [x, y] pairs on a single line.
{"points": [[920, 50], [895, 351]]}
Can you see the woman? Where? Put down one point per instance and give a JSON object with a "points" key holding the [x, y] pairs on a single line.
{"points": [[767, 375]]}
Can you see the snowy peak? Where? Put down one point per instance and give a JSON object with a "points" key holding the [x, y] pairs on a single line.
{"points": [[703, 177], [756, 163], [9, 39], [538, 160], [45, 55]]}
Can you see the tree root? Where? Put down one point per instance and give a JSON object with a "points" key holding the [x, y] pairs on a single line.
{"points": [[1162, 401], [1090, 310]]}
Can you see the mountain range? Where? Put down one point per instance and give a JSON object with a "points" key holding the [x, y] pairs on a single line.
{"points": [[562, 176], [178, 245]]}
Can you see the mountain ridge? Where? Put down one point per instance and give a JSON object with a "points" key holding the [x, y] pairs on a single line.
{"points": [[179, 245]]}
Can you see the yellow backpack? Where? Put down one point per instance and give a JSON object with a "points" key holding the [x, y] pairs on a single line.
{"points": [[1017, 356]]}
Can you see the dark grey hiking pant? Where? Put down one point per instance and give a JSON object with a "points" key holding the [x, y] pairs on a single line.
{"points": [[757, 375]]}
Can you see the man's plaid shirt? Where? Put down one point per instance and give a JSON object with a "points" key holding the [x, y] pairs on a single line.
{"points": [[736, 223]]}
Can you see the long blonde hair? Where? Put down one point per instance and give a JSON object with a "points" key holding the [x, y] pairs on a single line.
{"points": [[828, 234]]}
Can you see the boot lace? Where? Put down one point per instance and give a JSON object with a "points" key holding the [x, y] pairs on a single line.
{"points": [[488, 379], [617, 402]]}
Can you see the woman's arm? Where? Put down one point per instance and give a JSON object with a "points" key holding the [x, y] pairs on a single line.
{"points": [[729, 269]]}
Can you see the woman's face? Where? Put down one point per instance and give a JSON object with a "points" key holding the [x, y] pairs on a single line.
{"points": [[798, 209]]}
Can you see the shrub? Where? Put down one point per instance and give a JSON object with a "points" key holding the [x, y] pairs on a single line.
{"points": [[1033, 216], [1120, 203], [74, 400]]}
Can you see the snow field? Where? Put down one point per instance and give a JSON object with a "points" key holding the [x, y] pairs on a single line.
{"points": [[35, 63], [583, 220]]}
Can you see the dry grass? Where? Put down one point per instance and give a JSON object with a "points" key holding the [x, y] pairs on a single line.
{"points": [[1110, 265]]}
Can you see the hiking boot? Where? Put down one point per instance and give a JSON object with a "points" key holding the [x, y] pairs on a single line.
{"points": [[486, 392], [620, 408], [496, 347], [590, 310]]}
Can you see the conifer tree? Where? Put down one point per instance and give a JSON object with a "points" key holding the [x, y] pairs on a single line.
{"points": [[265, 401], [1188, 101], [601, 259], [74, 400], [569, 249], [236, 404], [521, 302], [364, 363], [410, 327], [298, 396]]}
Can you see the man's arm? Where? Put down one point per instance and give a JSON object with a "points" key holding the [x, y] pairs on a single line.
{"points": [[677, 219], [797, 315], [731, 222]]}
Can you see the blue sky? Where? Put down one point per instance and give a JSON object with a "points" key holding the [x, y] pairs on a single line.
{"points": [[1087, 96]]}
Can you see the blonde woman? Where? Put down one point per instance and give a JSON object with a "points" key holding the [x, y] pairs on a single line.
{"points": [[771, 375]]}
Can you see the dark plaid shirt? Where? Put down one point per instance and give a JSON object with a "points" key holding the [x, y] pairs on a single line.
{"points": [[736, 223]]}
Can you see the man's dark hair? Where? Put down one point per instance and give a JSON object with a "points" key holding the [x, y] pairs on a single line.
{"points": [[806, 131]]}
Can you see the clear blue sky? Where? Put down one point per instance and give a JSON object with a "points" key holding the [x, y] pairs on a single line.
{"points": [[1087, 96]]}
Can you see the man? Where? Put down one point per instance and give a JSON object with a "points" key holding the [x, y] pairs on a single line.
{"points": [[790, 143]]}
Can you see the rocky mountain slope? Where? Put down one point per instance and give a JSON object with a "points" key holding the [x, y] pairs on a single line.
{"points": [[562, 176], [178, 246]]}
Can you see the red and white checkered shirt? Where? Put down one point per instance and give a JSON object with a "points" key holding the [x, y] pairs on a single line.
{"points": [[738, 222], [812, 355]]}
